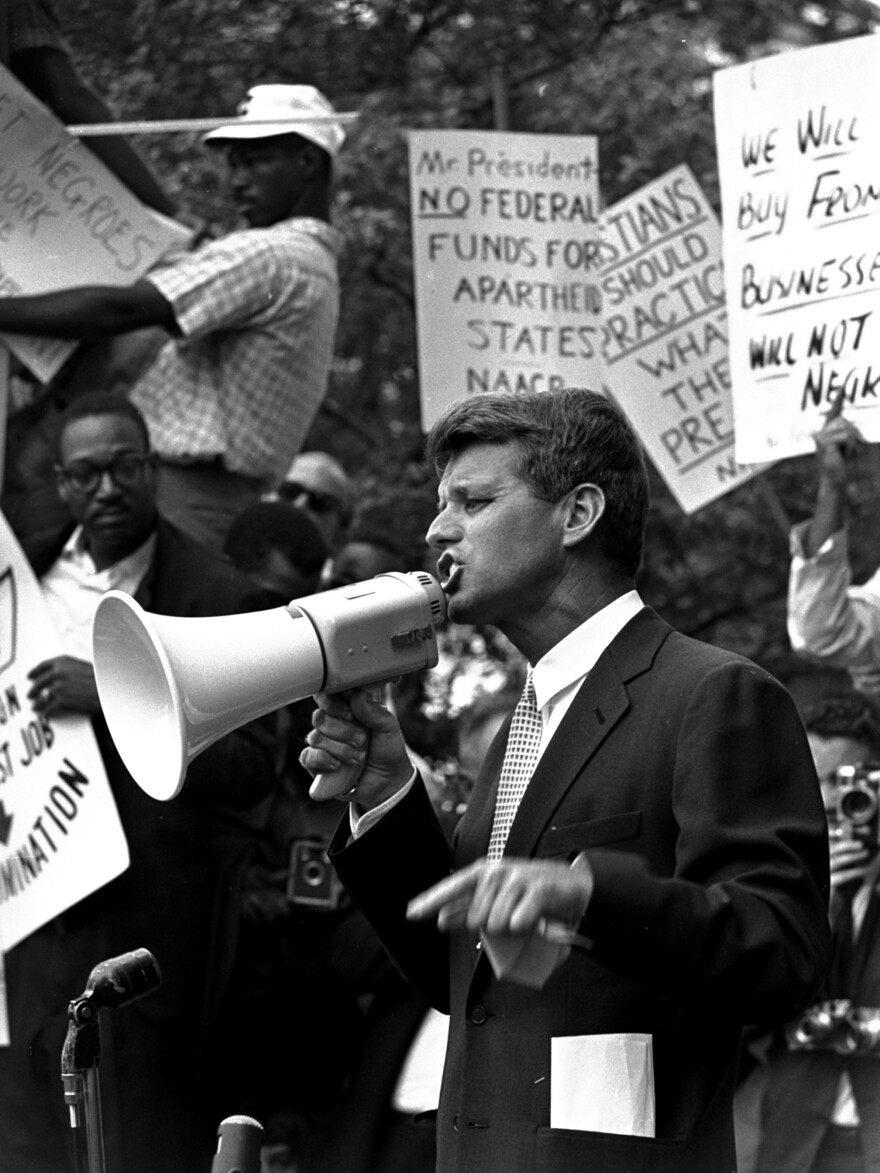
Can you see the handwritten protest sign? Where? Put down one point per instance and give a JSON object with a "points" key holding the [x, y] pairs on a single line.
{"points": [[798, 142], [664, 340], [60, 834], [65, 220], [506, 254]]}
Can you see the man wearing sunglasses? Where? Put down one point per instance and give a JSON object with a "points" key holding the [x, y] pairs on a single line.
{"points": [[317, 483], [177, 896]]}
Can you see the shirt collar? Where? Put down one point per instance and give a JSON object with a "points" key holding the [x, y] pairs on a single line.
{"points": [[132, 565], [576, 653]]}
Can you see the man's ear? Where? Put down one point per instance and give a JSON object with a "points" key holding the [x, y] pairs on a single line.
{"points": [[61, 485], [584, 506], [311, 161]]}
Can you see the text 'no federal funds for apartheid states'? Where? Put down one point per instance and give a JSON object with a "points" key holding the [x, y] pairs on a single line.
{"points": [[506, 249]]}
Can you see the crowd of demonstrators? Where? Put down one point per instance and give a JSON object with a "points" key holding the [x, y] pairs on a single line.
{"points": [[812, 1105], [293, 1019], [33, 46], [393, 1090], [316, 1019], [250, 318], [672, 830], [829, 619], [177, 897]]}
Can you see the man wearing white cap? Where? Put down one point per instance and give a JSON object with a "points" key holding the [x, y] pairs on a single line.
{"points": [[252, 317]]}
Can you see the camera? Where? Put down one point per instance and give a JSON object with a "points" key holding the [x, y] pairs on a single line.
{"points": [[856, 811], [311, 880], [838, 1026], [822, 1027]]}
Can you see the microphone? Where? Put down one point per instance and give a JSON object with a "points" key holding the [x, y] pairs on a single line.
{"points": [[111, 984], [120, 980], [239, 1139]]}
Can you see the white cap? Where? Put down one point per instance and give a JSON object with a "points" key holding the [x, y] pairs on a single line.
{"points": [[269, 104]]}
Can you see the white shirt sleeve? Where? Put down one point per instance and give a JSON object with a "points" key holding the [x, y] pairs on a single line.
{"points": [[829, 619], [361, 823]]}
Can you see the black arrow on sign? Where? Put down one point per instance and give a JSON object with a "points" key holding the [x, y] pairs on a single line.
{"points": [[5, 824]]}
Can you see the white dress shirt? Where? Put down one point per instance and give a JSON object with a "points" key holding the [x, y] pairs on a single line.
{"points": [[73, 587]]}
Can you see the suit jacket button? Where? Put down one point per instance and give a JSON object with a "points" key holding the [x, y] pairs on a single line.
{"points": [[478, 1015]]}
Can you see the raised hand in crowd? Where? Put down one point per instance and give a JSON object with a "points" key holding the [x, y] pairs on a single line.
{"points": [[838, 443]]}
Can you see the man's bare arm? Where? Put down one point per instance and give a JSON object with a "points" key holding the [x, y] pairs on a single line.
{"points": [[88, 311]]}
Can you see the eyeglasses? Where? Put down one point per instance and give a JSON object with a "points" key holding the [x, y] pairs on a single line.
{"points": [[318, 502], [84, 476]]}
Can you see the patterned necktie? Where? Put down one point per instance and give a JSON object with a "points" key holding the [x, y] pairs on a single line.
{"points": [[520, 758]]}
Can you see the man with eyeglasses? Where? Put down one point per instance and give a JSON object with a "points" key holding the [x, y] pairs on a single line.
{"points": [[251, 317], [177, 897]]}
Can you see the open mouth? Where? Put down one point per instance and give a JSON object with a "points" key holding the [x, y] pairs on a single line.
{"points": [[450, 572]]}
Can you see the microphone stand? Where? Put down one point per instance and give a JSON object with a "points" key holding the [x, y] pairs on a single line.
{"points": [[112, 983], [82, 1093]]}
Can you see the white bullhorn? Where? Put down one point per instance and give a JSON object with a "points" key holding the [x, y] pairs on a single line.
{"points": [[169, 686]]}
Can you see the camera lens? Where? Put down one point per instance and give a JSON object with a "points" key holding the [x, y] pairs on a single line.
{"points": [[858, 805], [314, 873], [818, 1026], [863, 1033]]}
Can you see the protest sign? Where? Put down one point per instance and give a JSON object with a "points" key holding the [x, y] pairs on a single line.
{"points": [[798, 142], [65, 220], [506, 255], [4, 406], [60, 834], [664, 338]]}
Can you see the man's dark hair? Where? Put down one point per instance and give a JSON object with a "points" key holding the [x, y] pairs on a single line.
{"points": [[845, 714], [566, 438], [275, 525], [103, 403]]}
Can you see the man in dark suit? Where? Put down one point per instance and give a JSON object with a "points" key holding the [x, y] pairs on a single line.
{"points": [[178, 897], [668, 855]]}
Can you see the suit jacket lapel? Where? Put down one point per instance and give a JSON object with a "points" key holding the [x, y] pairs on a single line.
{"points": [[598, 706]]}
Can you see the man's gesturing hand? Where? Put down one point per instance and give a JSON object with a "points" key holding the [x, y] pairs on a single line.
{"points": [[354, 730], [511, 896]]}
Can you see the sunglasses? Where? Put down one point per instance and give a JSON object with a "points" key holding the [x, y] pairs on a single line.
{"points": [[318, 502], [84, 476]]}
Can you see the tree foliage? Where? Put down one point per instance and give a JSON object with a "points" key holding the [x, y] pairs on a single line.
{"points": [[638, 73]]}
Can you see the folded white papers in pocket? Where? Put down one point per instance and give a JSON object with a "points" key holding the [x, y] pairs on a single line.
{"points": [[603, 1083]]}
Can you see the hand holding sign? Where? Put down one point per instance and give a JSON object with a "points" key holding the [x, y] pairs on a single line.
{"points": [[63, 684], [838, 443], [62, 837]]}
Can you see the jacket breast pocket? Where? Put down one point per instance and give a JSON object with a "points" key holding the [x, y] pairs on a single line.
{"points": [[560, 1149], [576, 837]]}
